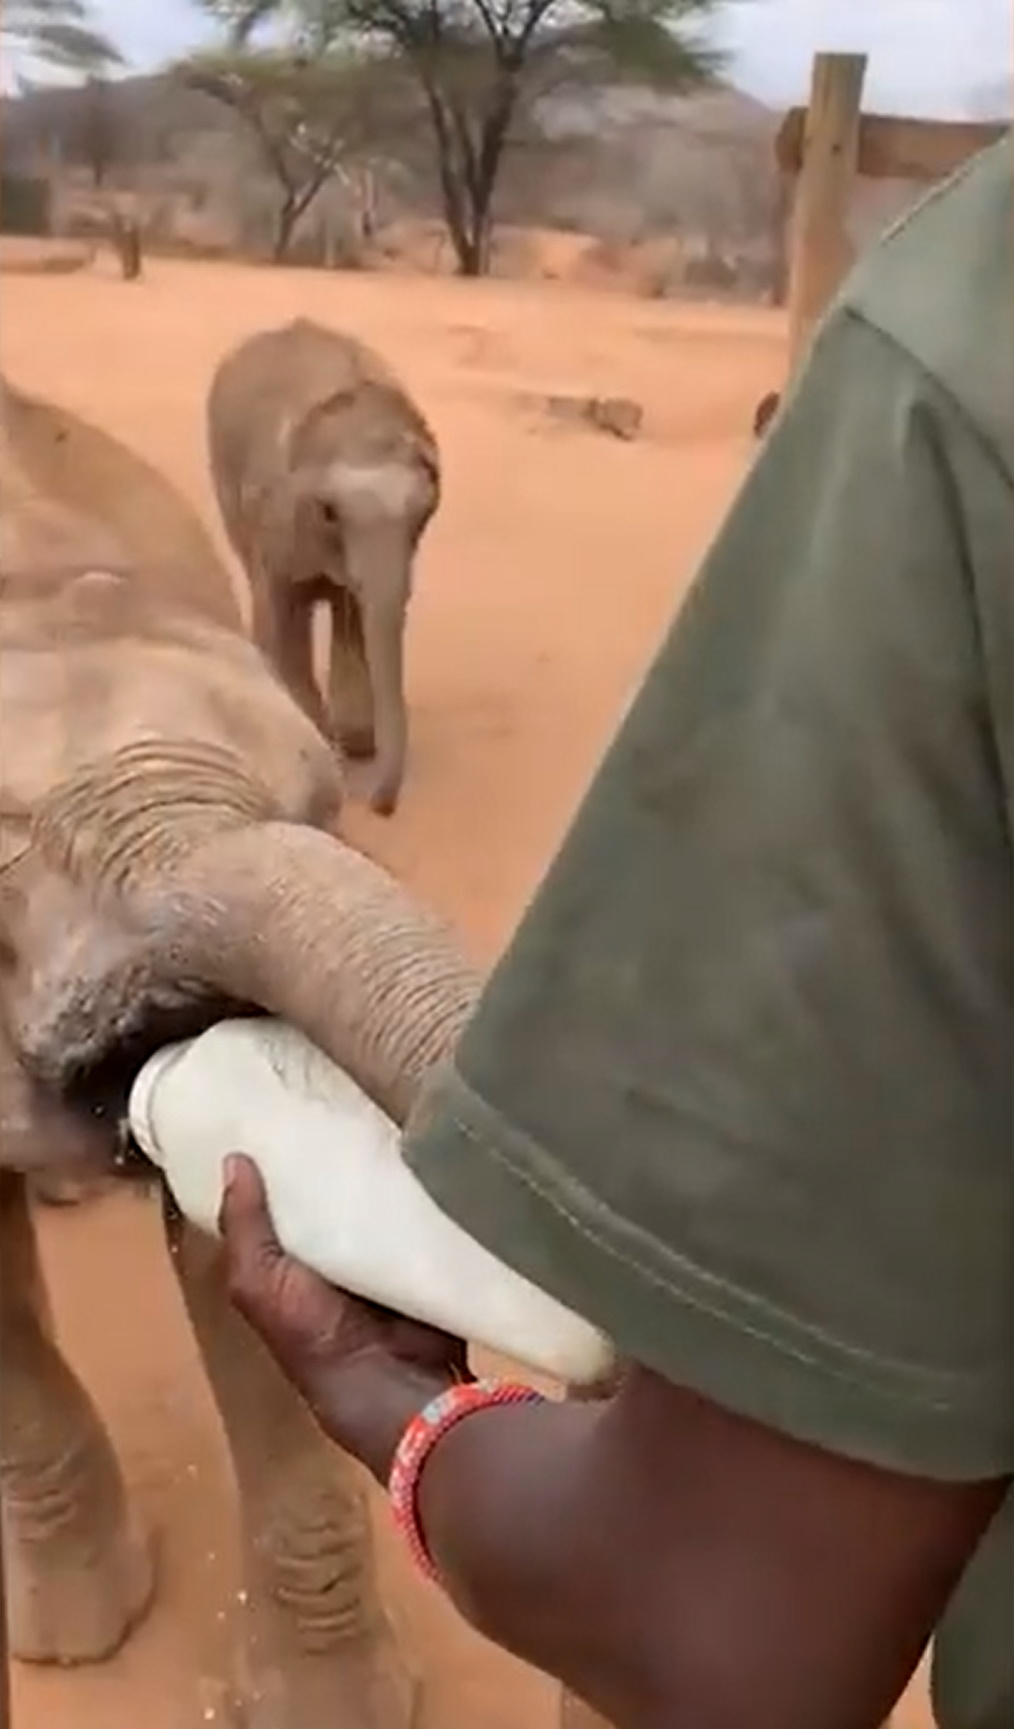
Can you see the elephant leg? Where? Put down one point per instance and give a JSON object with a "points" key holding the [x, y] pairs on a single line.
{"points": [[78, 1577], [350, 687], [317, 1650], [283, 631]]}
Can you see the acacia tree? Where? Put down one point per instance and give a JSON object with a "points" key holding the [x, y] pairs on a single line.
{"points": [[98, 133], [313, 117], [481, 68]]}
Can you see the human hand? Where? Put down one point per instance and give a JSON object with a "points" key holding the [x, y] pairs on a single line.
{"points": [[363, 1370]]}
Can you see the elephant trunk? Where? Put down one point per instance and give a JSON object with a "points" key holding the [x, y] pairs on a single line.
{"points": [[297, 922], [380, 572]]}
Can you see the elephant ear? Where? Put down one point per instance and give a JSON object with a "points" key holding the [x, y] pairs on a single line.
{"points": [[422, 453], [430, 462]]}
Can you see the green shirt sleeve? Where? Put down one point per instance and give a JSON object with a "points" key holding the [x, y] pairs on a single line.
{"points": [[740, 1089]]}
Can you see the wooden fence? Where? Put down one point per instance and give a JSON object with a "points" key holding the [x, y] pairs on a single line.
{"points": [[822, 149]]}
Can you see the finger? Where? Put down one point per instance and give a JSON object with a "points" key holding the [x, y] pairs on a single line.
{"points": [[244, 1208], [253, 1252]]}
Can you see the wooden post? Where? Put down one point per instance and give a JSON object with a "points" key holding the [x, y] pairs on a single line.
{"points": [[820, 150], [5, 1657], [820, 249]]}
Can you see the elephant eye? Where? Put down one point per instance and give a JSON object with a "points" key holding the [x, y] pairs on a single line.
{"points": [[329, 513]]}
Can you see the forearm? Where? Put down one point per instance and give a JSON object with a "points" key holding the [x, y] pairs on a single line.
{"points": [[528, 1541], [520, 1523]]}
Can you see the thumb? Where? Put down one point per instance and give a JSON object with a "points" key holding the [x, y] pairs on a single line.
{"points": [[244, 1220]]}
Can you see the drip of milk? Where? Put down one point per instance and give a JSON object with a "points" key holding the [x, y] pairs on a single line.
{"points": [[342, 1199]]}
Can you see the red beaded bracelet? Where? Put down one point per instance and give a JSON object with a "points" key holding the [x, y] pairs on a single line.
{"points": [[419, 1440]]}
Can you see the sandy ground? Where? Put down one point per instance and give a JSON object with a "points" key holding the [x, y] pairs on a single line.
{"points": [[554, 564]]}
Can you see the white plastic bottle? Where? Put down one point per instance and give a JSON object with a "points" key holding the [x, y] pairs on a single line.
{"points": [[342, 1199]]}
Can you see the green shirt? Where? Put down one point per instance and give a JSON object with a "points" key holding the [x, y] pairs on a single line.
{"points": [[741, 1089]]}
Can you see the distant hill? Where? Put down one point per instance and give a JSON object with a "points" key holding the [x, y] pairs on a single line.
{"points": [[720, 111], [155, 113], [151, 115], [619, 162], [630, 163]]}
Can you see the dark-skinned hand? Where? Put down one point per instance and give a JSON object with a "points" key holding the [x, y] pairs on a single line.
{"points": [[363, 1370]]}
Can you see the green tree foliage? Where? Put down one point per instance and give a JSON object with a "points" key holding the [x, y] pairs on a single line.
{"points": [[479, 68], [59, 33]]}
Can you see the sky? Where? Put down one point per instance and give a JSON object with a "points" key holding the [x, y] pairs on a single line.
{"points": [[927, 57]]}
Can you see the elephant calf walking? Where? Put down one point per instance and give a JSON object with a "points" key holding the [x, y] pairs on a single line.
{"points": [[326, 475]]}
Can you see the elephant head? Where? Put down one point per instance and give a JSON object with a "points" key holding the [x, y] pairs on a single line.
{"points": [[147, 907]]}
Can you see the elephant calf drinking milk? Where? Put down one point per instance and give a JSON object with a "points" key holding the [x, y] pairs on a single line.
{"points": [[165, 859], [327, 474]]}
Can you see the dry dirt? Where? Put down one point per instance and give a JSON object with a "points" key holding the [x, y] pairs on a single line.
{"points": [[27, 257], [555, 562]]}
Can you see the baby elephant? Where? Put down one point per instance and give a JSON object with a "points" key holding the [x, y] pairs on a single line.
{"points": [[326, 475]]}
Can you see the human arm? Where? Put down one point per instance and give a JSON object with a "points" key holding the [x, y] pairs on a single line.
{"points": [[669, 1561]]}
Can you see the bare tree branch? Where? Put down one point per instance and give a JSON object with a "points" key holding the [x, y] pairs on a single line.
{"points": [[481, 66]]}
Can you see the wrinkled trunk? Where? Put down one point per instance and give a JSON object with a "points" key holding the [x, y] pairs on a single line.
{"points": [[379, 563], [297, 922]]}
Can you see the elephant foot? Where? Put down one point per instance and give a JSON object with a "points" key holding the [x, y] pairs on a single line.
{"points": [[357, 742], [366, 786], [68, 1609], [365, 1686]]}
